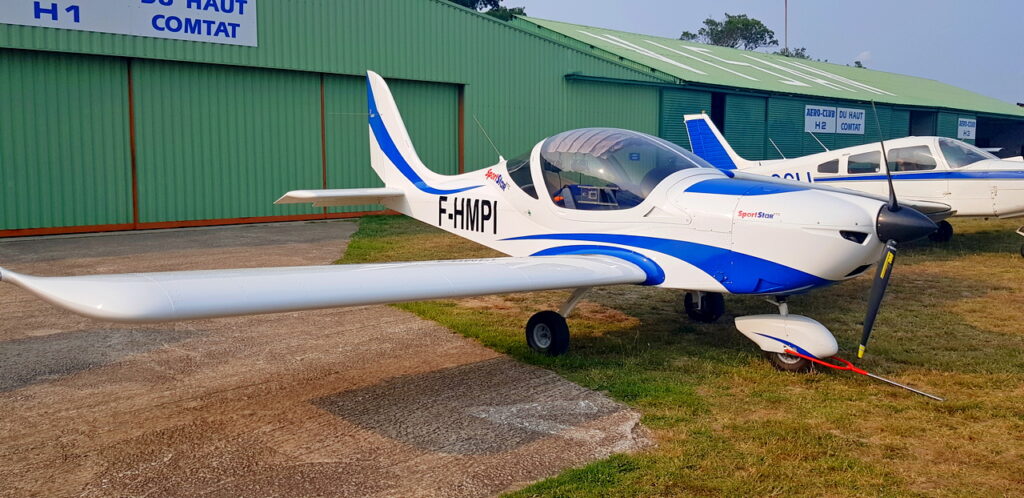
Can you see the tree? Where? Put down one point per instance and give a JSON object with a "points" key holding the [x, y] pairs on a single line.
{"points": [[858, 64], [492, 8], [734, 32], [797, 53]]}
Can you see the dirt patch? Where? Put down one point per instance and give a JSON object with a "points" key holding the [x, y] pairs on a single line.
{"points": [[358, 401]]}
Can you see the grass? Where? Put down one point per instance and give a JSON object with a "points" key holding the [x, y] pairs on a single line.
{"points": [[727, 423]]}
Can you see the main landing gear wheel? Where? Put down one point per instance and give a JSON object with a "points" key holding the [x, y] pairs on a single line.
{"points": [[711, 308], [943, 234], [547, 333], [788, 362]]}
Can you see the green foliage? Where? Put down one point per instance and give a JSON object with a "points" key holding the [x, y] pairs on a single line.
{"points": [[858, 64], [492, 8], [797, 53], [737, 31]]}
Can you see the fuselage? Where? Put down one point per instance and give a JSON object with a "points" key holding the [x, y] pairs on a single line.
{"points": [[701, 229], [971, 181]]}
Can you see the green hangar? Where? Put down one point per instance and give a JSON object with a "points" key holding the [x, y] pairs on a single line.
{"points": [[166, 113]]}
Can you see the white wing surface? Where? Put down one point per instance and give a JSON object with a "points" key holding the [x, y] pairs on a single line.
{"points": [[145, 297], [339, 197]]}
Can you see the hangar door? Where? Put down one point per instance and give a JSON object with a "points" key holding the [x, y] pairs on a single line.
{"points": [[64, 149], [674, 105]]}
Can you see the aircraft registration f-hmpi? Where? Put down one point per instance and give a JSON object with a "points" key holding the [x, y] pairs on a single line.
{"points": [[971, 181], [583, 208]]}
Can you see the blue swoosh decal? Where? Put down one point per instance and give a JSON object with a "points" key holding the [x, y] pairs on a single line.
{"points": [[391, 151], [655, 275], [790, 344], [739, 273], [735, 186], [935, 175]]}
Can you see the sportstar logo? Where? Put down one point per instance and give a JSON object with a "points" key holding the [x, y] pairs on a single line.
{"points": [[756, 214], [490, 175]]}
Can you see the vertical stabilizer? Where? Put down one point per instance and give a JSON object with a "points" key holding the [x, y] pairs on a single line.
{"points": [[707, 142]]}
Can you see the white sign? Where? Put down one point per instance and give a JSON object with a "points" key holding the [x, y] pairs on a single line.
{"points": [[824, 119], [850, 121], [231, 22], [966, 128], [819, 119]]}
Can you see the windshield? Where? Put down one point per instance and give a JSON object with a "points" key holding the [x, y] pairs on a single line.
{"points": [[609, 168], [959, 154]]}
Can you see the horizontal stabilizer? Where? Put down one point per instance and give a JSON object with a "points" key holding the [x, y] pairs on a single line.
{"points": [[340, 197], [147, 297]]}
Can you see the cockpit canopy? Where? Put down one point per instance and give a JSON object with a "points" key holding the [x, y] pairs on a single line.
{"points": [[605, 168]]}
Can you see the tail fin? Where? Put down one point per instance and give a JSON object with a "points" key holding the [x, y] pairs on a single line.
{"points": [[392, 154], [708, 143]]}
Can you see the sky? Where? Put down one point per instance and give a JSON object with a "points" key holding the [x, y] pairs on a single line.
{"points": [[974, 45]]}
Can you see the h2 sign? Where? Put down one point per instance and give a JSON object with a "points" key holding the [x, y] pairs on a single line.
{"points": [[825, 119], [231, 22], [966, 129]]}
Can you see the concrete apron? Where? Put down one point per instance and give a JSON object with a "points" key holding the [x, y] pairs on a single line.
{"points": [[357, 401]]}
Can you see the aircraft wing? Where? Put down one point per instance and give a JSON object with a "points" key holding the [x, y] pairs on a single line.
{"points": [[146, 297], [936, 211], [339, 197]]}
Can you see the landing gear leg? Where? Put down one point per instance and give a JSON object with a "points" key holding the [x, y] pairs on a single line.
{"points": [[1020, 231], [547, 332], [943, 234], [704, 307]]}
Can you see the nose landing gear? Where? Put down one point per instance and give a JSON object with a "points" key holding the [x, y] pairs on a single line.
{"points": [[943, 234]]}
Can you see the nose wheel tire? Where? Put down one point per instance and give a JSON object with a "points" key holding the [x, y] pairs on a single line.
{"points": [[547, 333], [788, 363], [943, 234], [712, 306]]}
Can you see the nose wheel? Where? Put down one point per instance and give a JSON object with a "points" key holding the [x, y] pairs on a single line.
{"points": [[788, 363], [943, 234], [704, 307]]}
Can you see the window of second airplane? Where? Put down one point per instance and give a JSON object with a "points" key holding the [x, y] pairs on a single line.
{"points": [[916, 158], [865, 162]]}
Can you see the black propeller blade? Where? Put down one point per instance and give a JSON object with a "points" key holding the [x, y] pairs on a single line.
{"points": [[882, 275], [893, 205]]}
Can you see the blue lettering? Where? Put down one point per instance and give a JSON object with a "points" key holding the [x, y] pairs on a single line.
{"points": [[241, 7], [234, 29], [211, 5], [154, 22], [193, 4], [788, 176], [39, 10], [193, 26], [75, 11], [222, 29], [173, 24]]}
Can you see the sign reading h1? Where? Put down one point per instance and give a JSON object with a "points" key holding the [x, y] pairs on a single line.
{"points": [[966, 128], [231, 22], [824, 119]]}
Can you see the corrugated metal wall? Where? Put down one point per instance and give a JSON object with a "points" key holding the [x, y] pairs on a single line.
{"points": [[675, 104], [64, 142], [223, 142], [947, 124], [208, 148], [745, 125], [786, 127]]}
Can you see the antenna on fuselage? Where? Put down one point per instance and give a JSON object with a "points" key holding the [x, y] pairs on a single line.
{"points": [[815, 137], [488, 137], [777, 149]]}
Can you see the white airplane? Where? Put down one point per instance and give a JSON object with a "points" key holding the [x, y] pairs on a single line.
{"points": [[971, 181], [583, 208]]}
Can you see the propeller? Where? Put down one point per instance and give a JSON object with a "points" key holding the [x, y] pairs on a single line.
{"points": [[894, 224]]}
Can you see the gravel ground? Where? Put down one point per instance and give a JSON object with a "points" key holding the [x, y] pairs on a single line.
{"points": [[358, 401]]}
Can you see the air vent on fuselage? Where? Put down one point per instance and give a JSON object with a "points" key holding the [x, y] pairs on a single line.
{"points": [[856, 237]]}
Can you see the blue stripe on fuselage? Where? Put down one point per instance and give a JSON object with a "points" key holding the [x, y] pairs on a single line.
{"points": [[655, 275], [391, 151], [933, 175], [735, 186], [739, 273]]}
